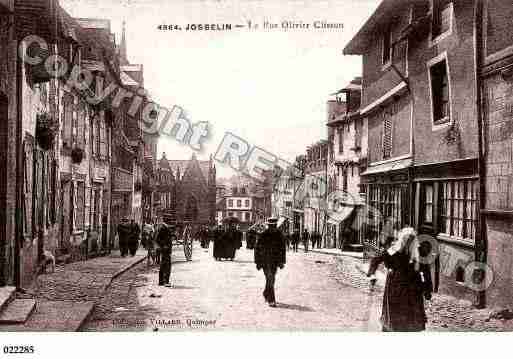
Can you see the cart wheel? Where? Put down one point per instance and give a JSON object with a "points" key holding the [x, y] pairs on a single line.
{"points": [[187, 243]]}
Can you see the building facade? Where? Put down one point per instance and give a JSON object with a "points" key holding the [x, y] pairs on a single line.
{"points": [[186, 189], [420, 102], [347, 138], [314, 191], [494, 36]]}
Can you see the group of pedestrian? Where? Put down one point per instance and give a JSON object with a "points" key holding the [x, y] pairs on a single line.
{"points": [[128, 235], [408, 282], [227, 240]]}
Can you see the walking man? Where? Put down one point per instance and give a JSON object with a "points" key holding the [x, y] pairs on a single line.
{"points": [[165, 238], [123, 235], [295, 240], [313, 238], [270, 255], [305, 239]]}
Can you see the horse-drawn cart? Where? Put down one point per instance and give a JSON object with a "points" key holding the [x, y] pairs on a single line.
{"points": [[184, 237], [184, 234]]}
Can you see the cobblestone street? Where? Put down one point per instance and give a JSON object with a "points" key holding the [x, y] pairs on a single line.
{"points": [[314, 292], [227, 295]]}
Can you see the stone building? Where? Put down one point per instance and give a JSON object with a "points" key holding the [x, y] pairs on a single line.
{"points": [[47, 145], [128, 147], [239, 203], [314, 192], [494, 37], [347, 137], [420, 100], [186, 188]]}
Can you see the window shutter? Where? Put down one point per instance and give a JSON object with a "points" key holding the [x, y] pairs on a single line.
{"points": [[341, 139], [94, 136], [53, 203], [28, 183], [80, 128], [67, 121], [387, 135], [101, 139]]}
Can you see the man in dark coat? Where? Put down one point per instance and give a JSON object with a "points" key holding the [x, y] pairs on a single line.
{"points": [[165, 239], [250, 239], [219, 243], [123, 236], [295, 240], [306, 238], [270, 255], [133, 238], [313, 238]]}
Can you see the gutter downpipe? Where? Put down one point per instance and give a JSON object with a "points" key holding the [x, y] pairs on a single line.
{"points": [[481, 245], [18, 226], [411, 169]]}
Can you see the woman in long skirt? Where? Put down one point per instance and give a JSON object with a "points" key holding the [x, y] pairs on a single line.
{"points": [[407, 285]]}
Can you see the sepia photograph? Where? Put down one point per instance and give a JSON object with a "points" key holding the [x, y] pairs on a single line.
{"points": [[322, 166]]}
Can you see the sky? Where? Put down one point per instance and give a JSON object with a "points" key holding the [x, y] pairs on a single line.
{"points": [[269, 87]]}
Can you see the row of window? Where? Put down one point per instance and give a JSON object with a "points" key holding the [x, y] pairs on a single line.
{"points": [[442, 17], [41, 194], [74, 128], [358, 129], [447, 208], [451, 206], [239, 203]]}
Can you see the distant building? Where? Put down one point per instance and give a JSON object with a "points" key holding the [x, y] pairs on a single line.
{"points": [[314, 189], [187, 189], [347, 137]]}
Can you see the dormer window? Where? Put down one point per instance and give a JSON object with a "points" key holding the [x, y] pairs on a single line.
{"points": [[387, 47]]}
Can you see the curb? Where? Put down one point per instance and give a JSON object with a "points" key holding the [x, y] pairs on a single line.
{"points": [[340, 254], [85, 318], [124, 269], [114, 276]]}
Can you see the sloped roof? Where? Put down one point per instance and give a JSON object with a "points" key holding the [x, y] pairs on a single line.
{"points": [[181, 166], [386, 10], [221, 204]]}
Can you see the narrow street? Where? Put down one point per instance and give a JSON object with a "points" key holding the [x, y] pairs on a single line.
{"points": [[227, 295]]}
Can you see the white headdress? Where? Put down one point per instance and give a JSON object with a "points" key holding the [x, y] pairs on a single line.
{"points": [[406, 242]]}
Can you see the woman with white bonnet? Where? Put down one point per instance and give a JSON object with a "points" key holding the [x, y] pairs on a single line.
{"points": [[408, 284]]}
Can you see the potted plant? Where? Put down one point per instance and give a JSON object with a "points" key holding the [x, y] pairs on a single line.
{"points": [[46, 129], [77, 154]]}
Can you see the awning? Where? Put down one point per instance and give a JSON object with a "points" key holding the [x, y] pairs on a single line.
{"points": [[127, 80], [388, 166]]}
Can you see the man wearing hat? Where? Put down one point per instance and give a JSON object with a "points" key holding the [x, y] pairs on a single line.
{"points": [[165, 239], [124, 230], [269, 256]]}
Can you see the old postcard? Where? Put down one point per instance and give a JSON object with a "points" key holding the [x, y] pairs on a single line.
{"points": [[255, 165]]}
